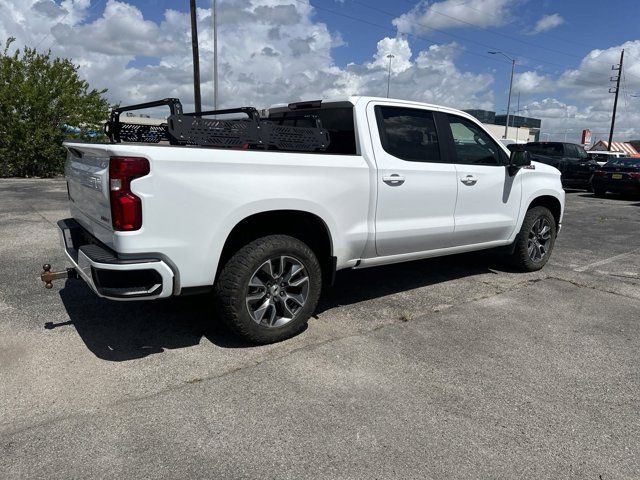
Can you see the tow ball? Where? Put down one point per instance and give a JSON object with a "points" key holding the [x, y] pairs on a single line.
{"points": [[47, 276]]}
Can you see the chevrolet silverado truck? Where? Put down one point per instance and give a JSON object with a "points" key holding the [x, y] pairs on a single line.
{"points": [[260, 212], [575, 165]]}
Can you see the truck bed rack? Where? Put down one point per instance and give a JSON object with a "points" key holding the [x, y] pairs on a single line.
{"points": [[192, 128]]}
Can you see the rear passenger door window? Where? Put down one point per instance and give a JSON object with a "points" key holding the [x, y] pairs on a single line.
{"points": [[472, 145], [408, 133], [571, 151]]}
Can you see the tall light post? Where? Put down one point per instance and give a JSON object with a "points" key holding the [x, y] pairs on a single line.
{"points": [[390, 56], [513, 66], [196, 56], [214, 8]]}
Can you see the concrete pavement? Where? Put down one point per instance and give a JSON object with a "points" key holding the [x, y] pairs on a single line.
{"points": [[447, 368]]}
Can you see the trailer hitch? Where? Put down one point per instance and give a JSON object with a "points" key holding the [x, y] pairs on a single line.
{"points": [[47, 276]]}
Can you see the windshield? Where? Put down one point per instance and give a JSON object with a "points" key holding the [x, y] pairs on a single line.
{"points": [[623, 162], [548, 149]]}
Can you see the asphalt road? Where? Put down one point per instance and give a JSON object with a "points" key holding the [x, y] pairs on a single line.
{"points": [[447, 368]]}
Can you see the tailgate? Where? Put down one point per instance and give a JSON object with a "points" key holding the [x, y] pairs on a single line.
{"points": [[87, 173]]}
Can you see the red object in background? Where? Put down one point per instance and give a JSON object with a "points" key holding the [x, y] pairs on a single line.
{"points": [[586, 136]]}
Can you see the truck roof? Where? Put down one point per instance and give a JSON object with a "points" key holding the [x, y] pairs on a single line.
{"points": [[354, 99]]}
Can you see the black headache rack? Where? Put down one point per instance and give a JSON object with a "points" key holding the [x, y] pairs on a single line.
{"points": [[182, 128]]}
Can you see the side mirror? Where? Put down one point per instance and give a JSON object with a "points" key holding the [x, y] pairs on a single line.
{"points": [[519, 158]]}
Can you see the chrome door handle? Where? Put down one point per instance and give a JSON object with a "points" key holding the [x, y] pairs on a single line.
{"points": [[394, 179], [469, 180]]}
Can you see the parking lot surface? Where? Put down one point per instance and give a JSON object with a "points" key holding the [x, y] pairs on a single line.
{"points": [[455, 367]]}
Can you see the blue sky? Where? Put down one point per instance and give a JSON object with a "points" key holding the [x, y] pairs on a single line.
{"points": [[587, 25], [281, 50]]}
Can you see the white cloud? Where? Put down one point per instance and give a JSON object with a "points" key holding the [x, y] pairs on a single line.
{"points": [[547, 22], [274, 51], [399, 48], [269, 51], [453, 14], [532, 82]]}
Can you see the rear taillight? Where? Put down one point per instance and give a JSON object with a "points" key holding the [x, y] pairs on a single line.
{"points": [[600, 173], [635, 175], [126, 207]]}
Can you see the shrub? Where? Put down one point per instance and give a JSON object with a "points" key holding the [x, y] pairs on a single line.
{"points": [[41, 99]]}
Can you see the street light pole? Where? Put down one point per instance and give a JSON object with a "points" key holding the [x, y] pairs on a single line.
{"points": [[196, 57], [513, 67], [214, 8], [390, 56]]}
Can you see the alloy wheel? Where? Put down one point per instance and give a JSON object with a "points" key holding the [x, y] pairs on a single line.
{"points": [[277, 291], [539, 240]]}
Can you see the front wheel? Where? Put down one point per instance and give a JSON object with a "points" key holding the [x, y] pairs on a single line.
{"points": [[535, 241], [268, 289]]}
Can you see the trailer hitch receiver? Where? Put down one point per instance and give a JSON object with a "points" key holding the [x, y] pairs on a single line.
{"points": [[47, 276]]}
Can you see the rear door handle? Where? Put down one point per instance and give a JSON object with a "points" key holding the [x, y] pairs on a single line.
{"points": [[469, 180], [394, 179]]}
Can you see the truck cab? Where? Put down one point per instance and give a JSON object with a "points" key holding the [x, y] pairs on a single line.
{"points": [[573, 161]]}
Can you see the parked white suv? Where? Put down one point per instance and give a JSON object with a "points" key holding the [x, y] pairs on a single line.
{"points": [[262, 229]]}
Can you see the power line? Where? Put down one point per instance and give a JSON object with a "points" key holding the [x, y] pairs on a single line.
{"points": [[511, 37], [454, 35], [390, 29], [393, 15], [501, 34], [466, 39], [553, 37]]}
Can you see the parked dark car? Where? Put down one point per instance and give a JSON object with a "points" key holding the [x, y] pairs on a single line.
{"points": [[575, 165], [618, 175]]}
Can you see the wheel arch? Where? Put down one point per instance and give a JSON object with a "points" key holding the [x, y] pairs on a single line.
{"points": [[306, 226], [548, 201]]}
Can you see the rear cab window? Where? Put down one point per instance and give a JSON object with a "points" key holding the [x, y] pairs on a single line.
{"points": [[337, 119], [546, 149]]}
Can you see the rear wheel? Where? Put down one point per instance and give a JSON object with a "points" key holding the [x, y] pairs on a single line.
{"points": [[536, 240], [599, 192], [268, 289]]}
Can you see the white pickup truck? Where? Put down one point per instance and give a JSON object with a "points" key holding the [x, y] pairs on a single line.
{"points": [[262, 229]]}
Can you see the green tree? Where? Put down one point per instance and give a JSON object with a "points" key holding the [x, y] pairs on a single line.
{"points": [[40, 97]]}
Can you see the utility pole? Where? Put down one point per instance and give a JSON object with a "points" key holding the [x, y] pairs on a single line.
{"points": [[513, 67], [196, 57], [214, 7], [513, 123], [506, 129], [615, 101], [390, 56]]}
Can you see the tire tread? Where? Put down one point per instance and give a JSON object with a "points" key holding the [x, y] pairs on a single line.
{"points": [[229, 302]]}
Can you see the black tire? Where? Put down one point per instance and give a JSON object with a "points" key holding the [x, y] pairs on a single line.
{"points": [[599, 192], [232, 288], [521, 257]]}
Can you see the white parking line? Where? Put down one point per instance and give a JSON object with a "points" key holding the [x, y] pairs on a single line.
{"points": [[605, 261]]}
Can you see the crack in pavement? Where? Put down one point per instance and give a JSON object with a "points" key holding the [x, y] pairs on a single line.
{"points": [[274, 358]]}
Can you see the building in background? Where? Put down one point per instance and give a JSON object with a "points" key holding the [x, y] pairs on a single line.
{"points": [[635, 144], [624, 147], [485, 116], [521, 129], [533, 124]]}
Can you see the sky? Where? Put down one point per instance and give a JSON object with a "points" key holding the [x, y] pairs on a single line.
{"points": [[274, 51]]}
